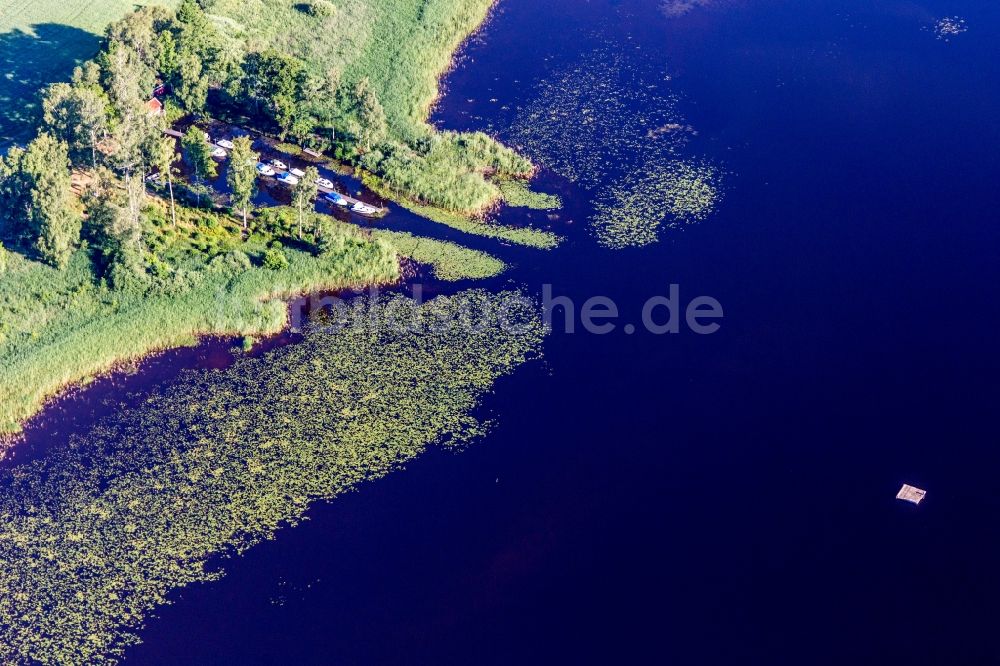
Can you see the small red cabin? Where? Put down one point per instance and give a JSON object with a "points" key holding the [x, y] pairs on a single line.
{"points": [[154, 107]]}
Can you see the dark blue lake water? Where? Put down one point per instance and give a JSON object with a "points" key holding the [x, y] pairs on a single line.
{"points": [[711, 499]]}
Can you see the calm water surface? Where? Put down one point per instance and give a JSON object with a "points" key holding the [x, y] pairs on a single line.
{"points": [[703, 500]]}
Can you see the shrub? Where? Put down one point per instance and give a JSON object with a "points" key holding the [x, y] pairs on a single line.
{"points": [[316, 8], [230, 263], [275, 259], [173, 112]]}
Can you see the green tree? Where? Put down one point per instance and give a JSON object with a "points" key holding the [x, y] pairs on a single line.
{"points": [[302, 128], [304, 194], [168, 58], [118, 239], [89, 75], [321, 92], [275, 259], [55, 223], [140, 31], [371, 116], [164, 159], [15, 197], [272, 84], [136, 133], [242, 176], [191, 84], [198, 156], [76, 114], [191, 13]]}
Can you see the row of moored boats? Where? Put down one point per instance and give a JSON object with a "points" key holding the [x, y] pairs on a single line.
{"points": [[292, 176]]}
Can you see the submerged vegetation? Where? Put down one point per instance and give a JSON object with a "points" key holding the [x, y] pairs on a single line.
{"points": [[95, 534], [611, 125], [950, 26]]}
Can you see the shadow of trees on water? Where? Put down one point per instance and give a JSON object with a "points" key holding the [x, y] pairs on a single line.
{"points": [[29, 61]]}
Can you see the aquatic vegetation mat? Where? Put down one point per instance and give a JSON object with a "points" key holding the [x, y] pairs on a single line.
{"points": [[611, 125], [99, 531], [950, 26], [678, 8], [631, 212]]}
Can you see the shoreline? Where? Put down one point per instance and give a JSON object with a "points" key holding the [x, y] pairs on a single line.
{"points": [[183, 339]]}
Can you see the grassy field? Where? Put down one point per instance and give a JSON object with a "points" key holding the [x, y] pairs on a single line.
{"points": [[402, 46], [41, 41]]}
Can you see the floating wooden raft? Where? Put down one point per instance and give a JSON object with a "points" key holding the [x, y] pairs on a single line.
{"points": [[912, 494]]}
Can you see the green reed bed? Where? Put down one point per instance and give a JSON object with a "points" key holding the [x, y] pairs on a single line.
{"points": [[518, 194], [526, 236], [451, 262]]}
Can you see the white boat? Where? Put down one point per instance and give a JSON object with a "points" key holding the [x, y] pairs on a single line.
{"points": [[219, 153], [225, 143], [264, 169], [336, 199], [325, 183], [364, 209], [288, 179], [279, 165], [298, 173]]}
